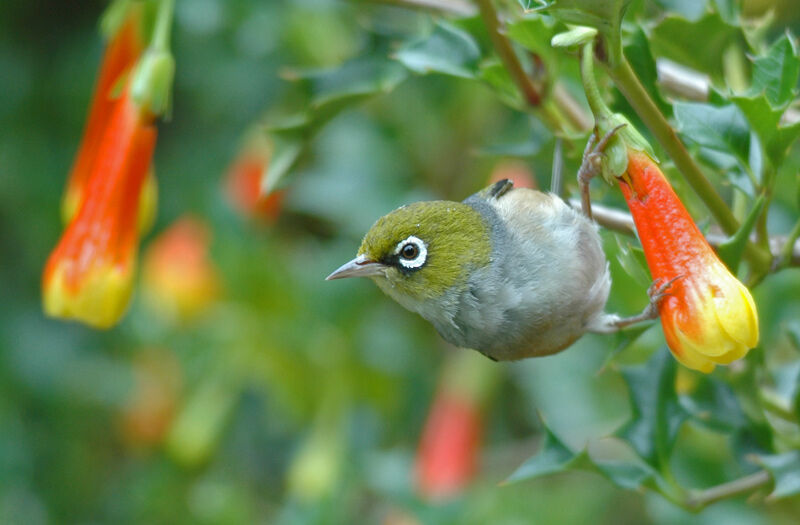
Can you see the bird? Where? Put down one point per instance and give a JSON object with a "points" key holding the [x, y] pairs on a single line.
{"points": [[509, 272]]}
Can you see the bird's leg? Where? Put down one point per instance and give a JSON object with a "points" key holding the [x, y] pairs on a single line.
{"points": [[656, 292], [591, 166]]}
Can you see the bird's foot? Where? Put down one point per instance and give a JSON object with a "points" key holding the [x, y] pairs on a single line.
{"points": [[591, 165], [656, 292]]}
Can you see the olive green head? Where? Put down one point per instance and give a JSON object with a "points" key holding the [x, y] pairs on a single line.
{"points": [[419, 251]]}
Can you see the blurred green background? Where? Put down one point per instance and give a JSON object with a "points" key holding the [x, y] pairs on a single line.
{"points": [[289, 399]]}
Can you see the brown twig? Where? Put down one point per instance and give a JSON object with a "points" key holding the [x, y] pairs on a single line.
{"points": [[698, 499], [448, 7], [507, 55], [621, 222]]}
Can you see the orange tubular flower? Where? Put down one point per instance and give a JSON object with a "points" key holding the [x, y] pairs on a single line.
{"points": [[450, 447], [708, 316], [89, 275], [179, 279], [121, 54], [243, 181], [447, 456]]}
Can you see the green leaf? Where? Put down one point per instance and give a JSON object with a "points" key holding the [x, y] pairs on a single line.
{"points": [[765, 122], [732, 249], [728, 10], [603, 15], [628, 475], [329, 92], [689, 9], [623, 340], [656, 415], [632, 261], [679, 39], [785, 471], [448, 50], [533, 33], [775, 73], [333, 89], [554, 456], [496, 76], [787, 385], [720, 128], [713, 404], [286, 149]]}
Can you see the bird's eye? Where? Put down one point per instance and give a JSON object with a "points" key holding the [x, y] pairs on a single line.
{"points": [[409, 251], [412, 253]]}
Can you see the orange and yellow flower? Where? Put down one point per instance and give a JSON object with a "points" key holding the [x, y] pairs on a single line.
{"points": [[89, 275], [179, 279], [111, 192], [708, 316]]}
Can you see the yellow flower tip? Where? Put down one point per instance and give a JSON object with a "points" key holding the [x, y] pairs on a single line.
{"points": [[100, 299], [70, 203], [685, 381], [148, 203], [713, 321]]}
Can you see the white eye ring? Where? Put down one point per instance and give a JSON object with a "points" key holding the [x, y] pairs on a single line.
{"points": [[422, 253]]}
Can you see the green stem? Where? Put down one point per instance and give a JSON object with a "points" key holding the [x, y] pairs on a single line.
{"points": [[788, 249], [596, 103], [637, 96], [161, 33], [631, 87]]}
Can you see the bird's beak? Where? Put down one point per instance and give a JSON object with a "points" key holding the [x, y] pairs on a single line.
{"points": [[358, 267]]}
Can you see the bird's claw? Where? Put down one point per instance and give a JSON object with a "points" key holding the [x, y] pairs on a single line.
{"points": [[593, 155], [657, 291], [592, 165]]}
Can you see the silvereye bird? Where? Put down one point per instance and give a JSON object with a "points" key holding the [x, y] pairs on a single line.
{"points": [[510, 272]]}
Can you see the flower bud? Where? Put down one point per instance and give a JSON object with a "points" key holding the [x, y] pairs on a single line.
{"points": [[152, 81]]}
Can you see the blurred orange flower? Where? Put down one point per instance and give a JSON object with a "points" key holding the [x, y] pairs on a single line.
{"points": [[448, 451], [708, 316], [450, 446], [151, 407], [179, 280], [516, 171], [243, 181]]}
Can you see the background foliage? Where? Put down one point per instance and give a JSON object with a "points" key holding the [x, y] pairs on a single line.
{"points": [[292, 400]]}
